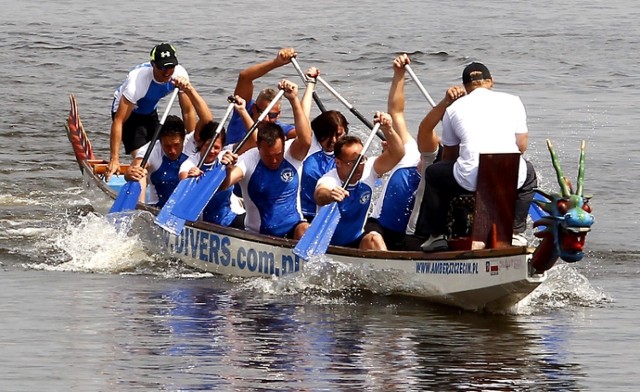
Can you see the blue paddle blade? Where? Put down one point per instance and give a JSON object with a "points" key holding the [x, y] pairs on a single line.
{"points": [[171, 223], [166, 213], [317, 238], [203, 189], [127, 197], [535, 211]]}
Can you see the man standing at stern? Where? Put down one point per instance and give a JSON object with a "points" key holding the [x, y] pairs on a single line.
{"points": [[135, 102]]}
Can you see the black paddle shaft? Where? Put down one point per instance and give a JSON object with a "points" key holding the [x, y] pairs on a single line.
{"points": [[232, 101], [156, 134], [374, 131], [350, 107], [304, 78]]}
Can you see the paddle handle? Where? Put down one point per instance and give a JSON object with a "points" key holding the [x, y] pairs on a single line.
{"points": [[260, 118], [232, 102], [346, 103], [366, 145], [420, 86], [156, 134], [316, 99]]}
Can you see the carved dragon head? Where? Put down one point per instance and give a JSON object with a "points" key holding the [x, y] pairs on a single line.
{"points": [[569, 217]]}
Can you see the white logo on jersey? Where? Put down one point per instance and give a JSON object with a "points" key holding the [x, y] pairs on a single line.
{"points": [[287, 175], [165, 54], [365, 197]]}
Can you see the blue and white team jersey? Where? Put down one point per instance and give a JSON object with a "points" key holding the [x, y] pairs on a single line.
{"points": [[395, 202], [236, 129], [272, 197], [163, 173], [353, 209], [165, 178], [218, 210], [316, 164], [143, 90]]}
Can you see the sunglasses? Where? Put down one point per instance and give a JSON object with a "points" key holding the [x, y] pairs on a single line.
{"points": [[271, 115], [165, 67], [353, 162]]}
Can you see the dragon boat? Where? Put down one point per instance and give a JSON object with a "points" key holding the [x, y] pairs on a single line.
{"points": [[482, 271]]}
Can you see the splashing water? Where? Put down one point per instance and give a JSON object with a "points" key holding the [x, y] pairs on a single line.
{"points": [[564, 287], [324, 280], [95, 245]]}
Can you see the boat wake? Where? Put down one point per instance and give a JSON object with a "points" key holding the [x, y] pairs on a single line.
{"points": [[564, 287], [328, 282]]}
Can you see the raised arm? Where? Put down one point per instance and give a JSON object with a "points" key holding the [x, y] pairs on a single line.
{"points": [[244, 86], [199, 105], [395, 102], [427, 138], [189, 115], [241, 109], [394, 149], [302, 142], [312, 73]]}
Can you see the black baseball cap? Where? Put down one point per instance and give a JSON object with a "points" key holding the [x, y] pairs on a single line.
{"points": [[479, 70], [164, 55]]}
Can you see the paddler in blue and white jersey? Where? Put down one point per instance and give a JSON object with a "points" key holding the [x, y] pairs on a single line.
{"points": [[354, 199], [164, 162], [224, 207], [395, 202], [134, 108], [172, 148], [269, 174], [327, 128]]}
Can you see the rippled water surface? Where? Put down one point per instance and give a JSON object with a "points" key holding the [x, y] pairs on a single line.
{"points": [[86, 309]]}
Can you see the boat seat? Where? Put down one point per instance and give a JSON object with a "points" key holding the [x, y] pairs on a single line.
{"points": [[489, 224]]}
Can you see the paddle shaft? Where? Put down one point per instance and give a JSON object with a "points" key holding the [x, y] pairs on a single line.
{"points": [[218, 130], [316, 99], [260, 118], [346, 103], [366, 145], [156, 134], [420, 86]]}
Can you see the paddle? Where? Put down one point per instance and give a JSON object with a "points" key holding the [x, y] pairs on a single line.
{"points": [[316, 99], [184, 192], [349, 106], [316, 239], [209, 183], [423, 90], [535, 211], [128, 195]]}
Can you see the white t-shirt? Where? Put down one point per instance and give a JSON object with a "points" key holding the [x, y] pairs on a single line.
{"points": [[485, 121]]}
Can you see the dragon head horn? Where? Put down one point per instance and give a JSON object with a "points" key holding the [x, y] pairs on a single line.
{"points": [[559, 174], [581, 169]]}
